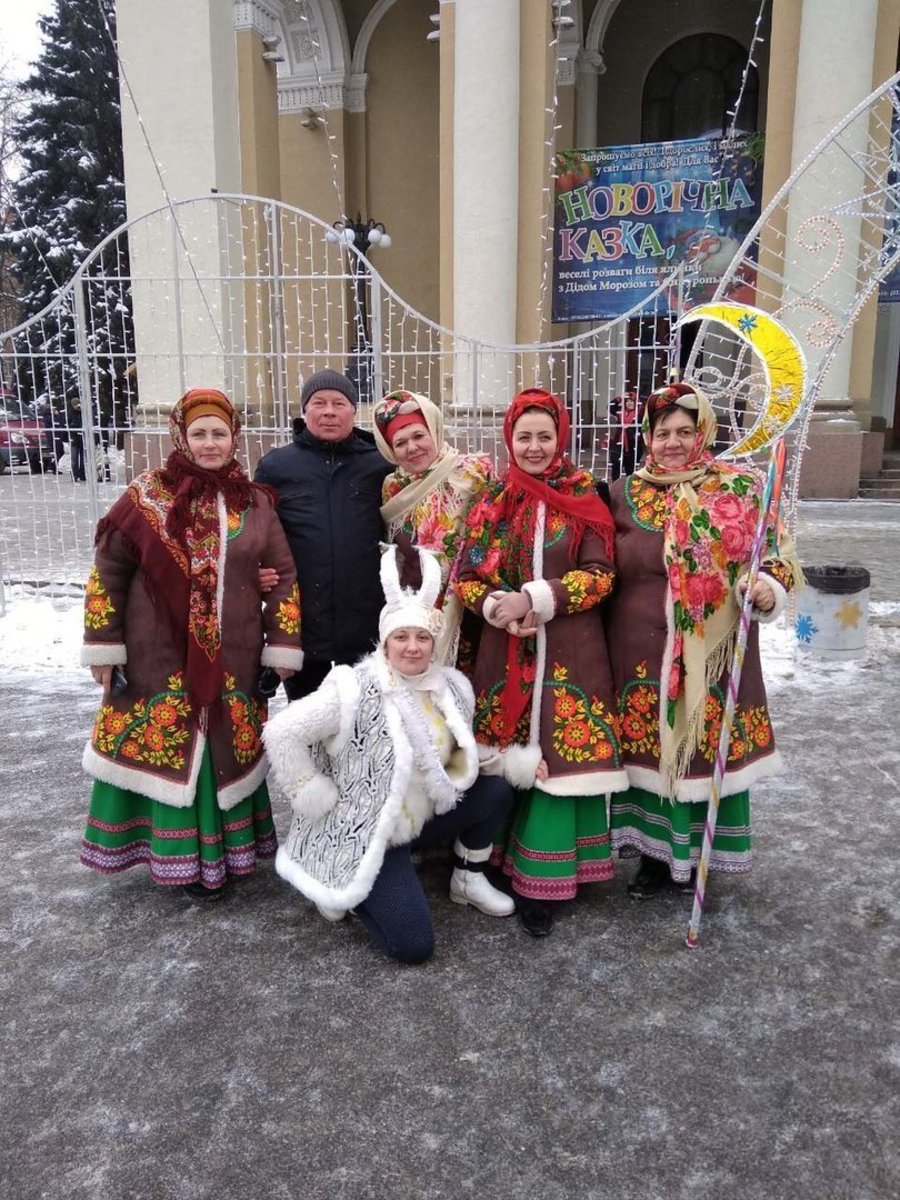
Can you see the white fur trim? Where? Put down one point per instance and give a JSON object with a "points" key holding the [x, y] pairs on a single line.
{"points": [[314, 798], [288, 736], [585, 783], [178, 795], [405, 608], [471, 856], [543, 601], [103, 654], [344, 690], [223, 554], [239, 789], [490, 760], [691, 790], [756, 614], [520, 764], [361, 884], [540, 652], [779, 605], [290, 658]]}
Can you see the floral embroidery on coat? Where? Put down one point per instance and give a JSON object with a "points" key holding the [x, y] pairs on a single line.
{"points": [[98, 608], [584, 729], [647, 503], [639, 713], [247, 717], [639, 722], [151, 731], [288, 614], [584, 589]]}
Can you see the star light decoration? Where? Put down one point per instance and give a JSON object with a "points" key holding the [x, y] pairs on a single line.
{"points": [[849, 615]]}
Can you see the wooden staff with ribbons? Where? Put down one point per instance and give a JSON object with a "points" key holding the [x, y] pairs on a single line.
{"points": [[768, 519]]}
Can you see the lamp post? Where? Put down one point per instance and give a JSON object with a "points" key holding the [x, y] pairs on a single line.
{"points": [[364, 235]]}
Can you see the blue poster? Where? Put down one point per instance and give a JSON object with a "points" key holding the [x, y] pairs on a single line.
{"points": [[626, 216]]}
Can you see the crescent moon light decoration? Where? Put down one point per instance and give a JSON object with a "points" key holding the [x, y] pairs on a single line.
{"points": [[783, 362]]}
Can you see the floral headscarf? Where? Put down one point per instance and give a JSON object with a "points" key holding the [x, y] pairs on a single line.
{"points": [[711, 516], [177, 523]]}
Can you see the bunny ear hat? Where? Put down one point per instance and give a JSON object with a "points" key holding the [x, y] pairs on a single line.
{"points": [[405, 608]]}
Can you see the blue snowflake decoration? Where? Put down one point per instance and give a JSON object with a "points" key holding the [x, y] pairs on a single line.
{"points": [[746, 323], [805, 628]]}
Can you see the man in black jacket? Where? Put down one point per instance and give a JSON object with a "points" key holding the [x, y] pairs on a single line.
{"points": [[329, 484]]}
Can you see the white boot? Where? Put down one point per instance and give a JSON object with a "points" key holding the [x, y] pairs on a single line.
{"points": [[331, 914], [469, 885]]}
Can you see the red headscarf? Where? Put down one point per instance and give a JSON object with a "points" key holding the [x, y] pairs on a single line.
{"points": [[563, 487]]}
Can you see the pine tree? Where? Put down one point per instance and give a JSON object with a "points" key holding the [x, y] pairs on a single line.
{"points": [[70, 195]]}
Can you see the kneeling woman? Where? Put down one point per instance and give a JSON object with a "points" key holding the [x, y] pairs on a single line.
{"points": [[381, 761]]}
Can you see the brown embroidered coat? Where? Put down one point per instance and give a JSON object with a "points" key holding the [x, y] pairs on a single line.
{"points": [[149, 739], [575, 721], [636, 633]]}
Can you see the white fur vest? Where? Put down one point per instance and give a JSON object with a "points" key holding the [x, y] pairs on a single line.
{"points": [[347, 757]]}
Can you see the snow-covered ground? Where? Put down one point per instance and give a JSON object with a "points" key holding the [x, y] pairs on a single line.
{"points": [[41, 634]]}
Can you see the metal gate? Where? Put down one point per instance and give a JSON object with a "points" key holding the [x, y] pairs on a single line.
{"points": [[252, 295]]}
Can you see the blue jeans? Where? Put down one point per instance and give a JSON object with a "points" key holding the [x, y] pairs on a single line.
{"points": [[395, 912]]}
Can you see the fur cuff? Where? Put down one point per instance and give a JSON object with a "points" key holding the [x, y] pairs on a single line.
{"points": [[289, 658], [540, 593], [314, 798], [520, 764], [490, 761], [103, 654]]}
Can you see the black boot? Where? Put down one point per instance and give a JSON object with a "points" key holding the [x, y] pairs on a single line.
{"points": [[651, 878], [536, 916], [198, 893]]}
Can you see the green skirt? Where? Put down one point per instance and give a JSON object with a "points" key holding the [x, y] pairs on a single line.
{"points": [[555, 843], [199, 843], [644, 823]]}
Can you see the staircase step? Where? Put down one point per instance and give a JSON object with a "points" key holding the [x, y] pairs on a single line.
{"points": [[879, 493]]}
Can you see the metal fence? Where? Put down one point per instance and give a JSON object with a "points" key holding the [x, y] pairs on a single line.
{"points": [[252, 295]]}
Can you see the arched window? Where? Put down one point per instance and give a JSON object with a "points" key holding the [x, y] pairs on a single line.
{"points": [[691, 87]]}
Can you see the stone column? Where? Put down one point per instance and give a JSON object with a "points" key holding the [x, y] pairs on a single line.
{"points": [[834, 73], [179, 62], [485, 185], [589, 66]]}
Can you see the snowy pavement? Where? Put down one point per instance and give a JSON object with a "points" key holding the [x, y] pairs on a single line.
{"points": [[156, 1051]]}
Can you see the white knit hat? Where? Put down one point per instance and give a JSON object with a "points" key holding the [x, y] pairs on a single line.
{"points": [[406, 608]]}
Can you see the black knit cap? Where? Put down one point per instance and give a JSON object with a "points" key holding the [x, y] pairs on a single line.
{"points": [[329, 381]]}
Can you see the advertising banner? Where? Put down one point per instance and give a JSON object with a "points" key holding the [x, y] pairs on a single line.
{"points": [[626, 216]]}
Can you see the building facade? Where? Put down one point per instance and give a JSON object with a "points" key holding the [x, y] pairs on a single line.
{"points": [[440, 121]]}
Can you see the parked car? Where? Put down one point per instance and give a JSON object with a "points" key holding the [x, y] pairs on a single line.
{"points": [[23, 437]]}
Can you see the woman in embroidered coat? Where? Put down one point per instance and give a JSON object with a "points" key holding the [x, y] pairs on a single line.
{"points": [[425, 502], [173, 602], [537, 564], [685, 525], [381, 760]]}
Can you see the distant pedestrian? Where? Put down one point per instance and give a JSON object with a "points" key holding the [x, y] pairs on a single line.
{"points": [[75, 431], [329, 487], [379, 761], [176, 636]]}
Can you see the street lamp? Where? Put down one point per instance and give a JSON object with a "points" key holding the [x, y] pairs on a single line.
{"points": [[364, 235]]}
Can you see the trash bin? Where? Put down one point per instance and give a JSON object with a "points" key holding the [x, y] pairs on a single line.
{"points": [[833, 611]]}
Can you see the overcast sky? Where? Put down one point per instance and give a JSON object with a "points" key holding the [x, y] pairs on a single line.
{"points": [[20, 38]]}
